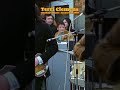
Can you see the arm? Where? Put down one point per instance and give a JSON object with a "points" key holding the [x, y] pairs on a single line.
{"points": [[68, 36], [51, 47]]}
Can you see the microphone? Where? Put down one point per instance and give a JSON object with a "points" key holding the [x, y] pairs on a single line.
{"points": [[73, 33], [48, 40]]}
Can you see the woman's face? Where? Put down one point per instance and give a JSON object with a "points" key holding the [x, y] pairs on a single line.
{"points": [[66, 23]]}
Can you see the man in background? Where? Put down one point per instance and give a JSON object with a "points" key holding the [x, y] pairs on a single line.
{"points": [[49, 19]]}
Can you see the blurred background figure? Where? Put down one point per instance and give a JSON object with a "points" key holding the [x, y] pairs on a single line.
{"points": [[67, 23], [107, 57]]}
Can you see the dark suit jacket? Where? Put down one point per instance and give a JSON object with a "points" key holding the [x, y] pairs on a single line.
{"points": [[53, 29], [42, 33]]}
